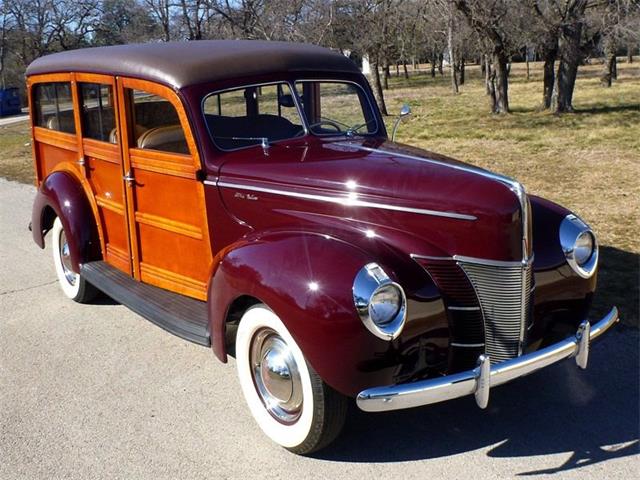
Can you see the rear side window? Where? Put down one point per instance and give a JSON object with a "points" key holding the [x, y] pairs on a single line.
{"points": [[98, 114], [53, 106], [156, 124]]}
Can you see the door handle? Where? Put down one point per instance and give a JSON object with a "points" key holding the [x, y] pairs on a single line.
{"points": [[81, 162], [129, 178]]}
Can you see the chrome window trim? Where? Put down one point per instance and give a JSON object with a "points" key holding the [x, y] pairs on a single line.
{"points": [[240, 87], [371, 107], [346, 201]]}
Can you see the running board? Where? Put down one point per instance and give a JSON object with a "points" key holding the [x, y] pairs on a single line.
{"points": [[183, 316]]}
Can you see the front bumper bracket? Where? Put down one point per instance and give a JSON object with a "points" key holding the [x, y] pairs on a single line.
{"points": [[481, 379]]}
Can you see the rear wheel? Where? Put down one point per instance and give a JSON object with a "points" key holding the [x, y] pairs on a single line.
{"points": [[288, 399], [73, 285]]}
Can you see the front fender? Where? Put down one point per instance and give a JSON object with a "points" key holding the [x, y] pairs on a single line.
{"points": [[63, 194], [307, 280]]}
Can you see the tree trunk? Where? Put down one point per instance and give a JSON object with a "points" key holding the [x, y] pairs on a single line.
{"points": [[487, 75], [461, 71], [629, 53], [434, 61], [570, 56], [491, 89], [549, 76], [500, 65], [406, 72], [452, 60], [378, 85], [385, 77], [526, 59], [609, 72], [397, 70], [440, 60]]}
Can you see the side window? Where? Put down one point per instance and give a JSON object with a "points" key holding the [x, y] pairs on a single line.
{"points": [[53, 106], [156, 125], [245, 116], [98, 114]]}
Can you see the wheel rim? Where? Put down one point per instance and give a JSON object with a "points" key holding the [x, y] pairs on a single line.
{"points": [[65, 260], [276, 376]]}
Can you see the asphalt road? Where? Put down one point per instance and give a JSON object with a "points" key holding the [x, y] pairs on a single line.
{"points": [[94, 391]]}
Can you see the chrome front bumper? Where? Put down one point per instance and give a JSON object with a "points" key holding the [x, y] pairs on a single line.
{"points": [[480, 380]]}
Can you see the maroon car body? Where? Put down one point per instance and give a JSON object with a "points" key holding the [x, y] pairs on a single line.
{"points": [[293, 222]]}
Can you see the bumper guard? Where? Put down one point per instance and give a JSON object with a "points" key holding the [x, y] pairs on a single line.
{"points": [[480, 380]]}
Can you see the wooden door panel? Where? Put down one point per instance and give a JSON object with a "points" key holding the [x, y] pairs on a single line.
{"points": [[104, 173], [165, 203]]}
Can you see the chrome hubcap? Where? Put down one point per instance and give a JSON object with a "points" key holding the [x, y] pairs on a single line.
{"points": [[65, 258], [276, 376]]}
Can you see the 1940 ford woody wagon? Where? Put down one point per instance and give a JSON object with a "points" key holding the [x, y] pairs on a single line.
{"points": [[245, 196]]}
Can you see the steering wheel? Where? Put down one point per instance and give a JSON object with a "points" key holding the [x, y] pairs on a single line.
{"points": [[327, 122]]}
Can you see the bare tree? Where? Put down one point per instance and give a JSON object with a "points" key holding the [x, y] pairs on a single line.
{"points": [[487, 18]]}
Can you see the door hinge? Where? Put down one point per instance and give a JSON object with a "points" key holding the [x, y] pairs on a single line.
{"points": [[129, 178]]}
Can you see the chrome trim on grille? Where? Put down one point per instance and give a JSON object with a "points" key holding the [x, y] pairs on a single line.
{"points": [[467, 345], [504, 292], [348, 201], [464, 309]]}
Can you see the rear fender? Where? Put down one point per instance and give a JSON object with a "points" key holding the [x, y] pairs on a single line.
{"points": [[63, 195]]}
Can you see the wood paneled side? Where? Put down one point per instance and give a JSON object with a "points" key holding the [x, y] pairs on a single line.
{"points": [[167, 212]]}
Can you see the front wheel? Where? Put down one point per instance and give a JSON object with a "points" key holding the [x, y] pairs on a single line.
{"points": [[73, 284], [288, 399]]}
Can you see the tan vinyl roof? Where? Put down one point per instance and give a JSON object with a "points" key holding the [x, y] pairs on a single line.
{"points": [[179, 64]]}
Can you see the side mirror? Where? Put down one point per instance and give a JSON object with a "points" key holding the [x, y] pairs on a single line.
{"points": [[405, 111]]}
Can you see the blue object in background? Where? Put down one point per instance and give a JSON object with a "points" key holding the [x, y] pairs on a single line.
{"points": [[9, 101]]}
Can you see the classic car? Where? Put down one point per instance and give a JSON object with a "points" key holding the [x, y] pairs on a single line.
{"points": [[245, 196]]}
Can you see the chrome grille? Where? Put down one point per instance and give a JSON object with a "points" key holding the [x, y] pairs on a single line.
{"points": [[504, 292]]}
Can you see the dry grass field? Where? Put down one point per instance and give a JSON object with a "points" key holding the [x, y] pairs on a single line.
{"points": [[588, 161]]}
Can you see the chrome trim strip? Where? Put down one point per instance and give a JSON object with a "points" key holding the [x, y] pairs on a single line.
{"points": [[415, 256], [493, 263], [348, 202], [425, 392], [464, 309], [467, 345], [209, 182]]}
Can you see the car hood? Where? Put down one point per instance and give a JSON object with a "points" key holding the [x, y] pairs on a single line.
{"points": [[444, 206]]}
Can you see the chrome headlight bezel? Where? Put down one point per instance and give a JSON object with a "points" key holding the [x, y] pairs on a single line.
{"points": [[369, 281], [572, 229]]}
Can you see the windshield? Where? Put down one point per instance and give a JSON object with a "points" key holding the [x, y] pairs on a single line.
{"points": [[336, 108], [252, 115]]}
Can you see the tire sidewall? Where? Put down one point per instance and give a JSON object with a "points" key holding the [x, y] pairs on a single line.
{"points": [[71, 291], [288, 436]]}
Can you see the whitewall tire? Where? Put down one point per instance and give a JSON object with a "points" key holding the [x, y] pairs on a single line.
{"points": [[73, 285], [287, 398]]}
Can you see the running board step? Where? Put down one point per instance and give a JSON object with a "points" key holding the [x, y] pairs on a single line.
{"points": [[177, 314]]}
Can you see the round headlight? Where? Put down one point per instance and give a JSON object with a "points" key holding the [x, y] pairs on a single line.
{"points": [[381, 303], [583, 248], [385, 304], [579, 246]]}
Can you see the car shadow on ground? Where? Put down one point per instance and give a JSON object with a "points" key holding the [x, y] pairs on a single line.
{"points": [[591, 415]]}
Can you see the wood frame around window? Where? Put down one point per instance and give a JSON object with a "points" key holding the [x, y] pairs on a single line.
{"points": [[69, 143]]}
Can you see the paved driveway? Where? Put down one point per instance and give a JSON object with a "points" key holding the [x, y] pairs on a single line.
{"points": [[94, 391]]}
